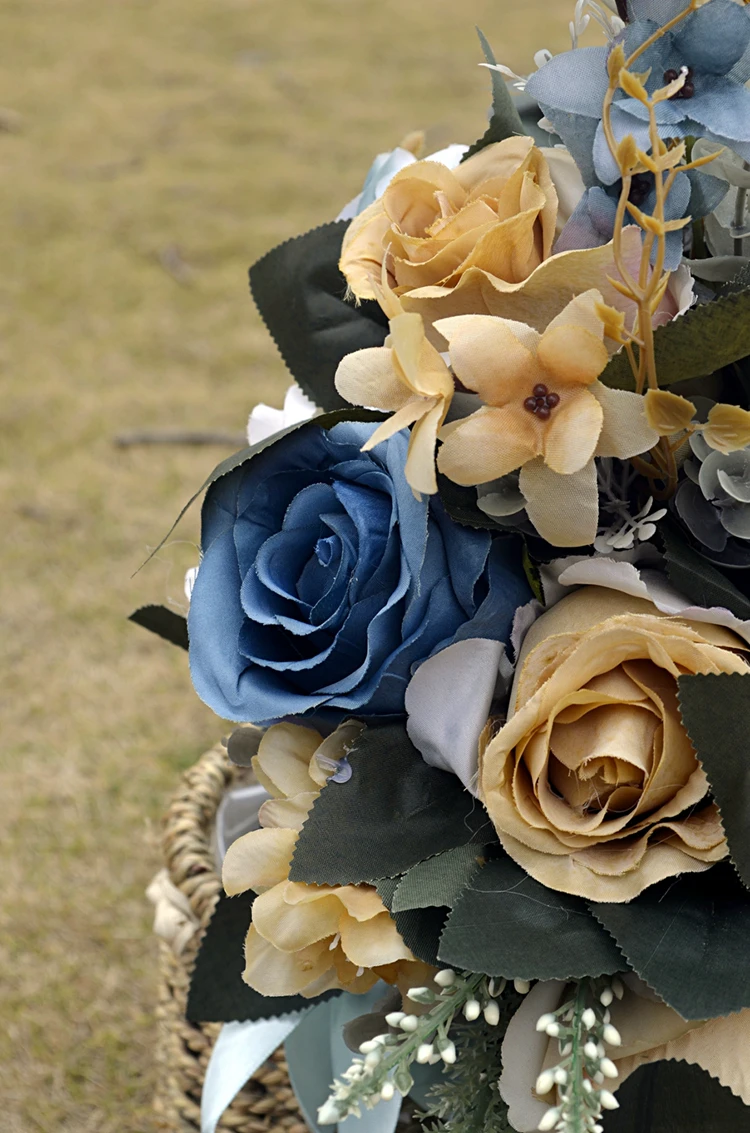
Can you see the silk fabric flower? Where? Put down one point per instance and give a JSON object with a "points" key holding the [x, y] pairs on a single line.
{"points": [[592, 784], [307, 939], [544, 412]]}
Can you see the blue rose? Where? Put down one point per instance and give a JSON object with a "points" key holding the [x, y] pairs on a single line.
{"points": [[324, 583]]}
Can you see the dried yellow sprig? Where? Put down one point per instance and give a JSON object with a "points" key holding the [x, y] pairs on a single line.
{"points": [[668, 413], [728, 428]]}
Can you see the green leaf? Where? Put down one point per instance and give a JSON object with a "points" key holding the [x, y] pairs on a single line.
{"points": [[393, 812], [674, 1097], [163, 622], [300, 294], [695, 345], [505, 119], [696, 578], [386, 889], [507, 924], [723, 699], [218, 993], [438, 881], [420, 930], [325, 421], [688, 939], [461, 504]]}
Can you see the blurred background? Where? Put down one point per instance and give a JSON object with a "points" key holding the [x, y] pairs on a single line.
{"points": [[150, 150]]}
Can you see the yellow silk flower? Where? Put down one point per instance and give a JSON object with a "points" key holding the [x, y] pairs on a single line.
{"points": [[407, 377], [307, 939], [544, 412], [592, 784]]}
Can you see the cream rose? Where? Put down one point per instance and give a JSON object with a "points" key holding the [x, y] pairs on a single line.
{"points": [[593, 784], [307, 939], [497, 213]]}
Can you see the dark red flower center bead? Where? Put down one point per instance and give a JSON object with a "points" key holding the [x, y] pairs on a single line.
{"points": [[542, 402], [688, 88]]}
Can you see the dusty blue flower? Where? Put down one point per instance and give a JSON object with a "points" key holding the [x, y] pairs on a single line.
{"points": [[324, 583]]}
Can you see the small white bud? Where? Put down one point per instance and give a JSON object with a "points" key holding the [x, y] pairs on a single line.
{"points": [[329, 1113], [611, 1035], [445, 978], [588, 1019], [433, 1060], [553, 1030], [372, 1059], [544, 1021], [597, 1129], [545, 1082], [608, 1101], [607, 1016], [618, 988], [368, 1047], [497, 987], [417, 993], [409, 1023], [599, 1078], [472, 1010], [448, 1052], [608, 1068], [549, 1121], [387, 1092], [523, 987], [606, 997], [425, 1053], [561, 1076], [394, 1018], [492, 1013], [586, 1086], [567, 1049], [591, 1051]]}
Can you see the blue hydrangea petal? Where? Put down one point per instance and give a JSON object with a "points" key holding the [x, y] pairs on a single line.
{"points": [[607, 169], [577, 131], [591, 224], [723, 108], [706, 193], [575, 81], [660, 11], [713, 38]]}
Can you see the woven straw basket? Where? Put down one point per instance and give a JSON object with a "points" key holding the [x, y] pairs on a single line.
{"points": [[267, 1103]]}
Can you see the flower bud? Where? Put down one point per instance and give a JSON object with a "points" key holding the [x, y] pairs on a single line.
{"points": [[591, 1051], [329, 1113], [492, 1014], [523, 987], [549, 1121], [403, 1081], [553, 1030], [387, 1092], [561, 1076], [472, 1010], [588, 1019], [421, 995], [606, 997], [586, 1086], [545, 1082], [608, 1068], [544, 1021], [394, 1018], [409, 1023], [373, 1059], [618, 987], [445, 978], [608, 1101], [447, 1051], [425, 1053], [611, 1035], [368, 1047]]}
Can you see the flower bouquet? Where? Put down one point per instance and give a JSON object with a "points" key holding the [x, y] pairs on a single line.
{"points": [[479, 600]]}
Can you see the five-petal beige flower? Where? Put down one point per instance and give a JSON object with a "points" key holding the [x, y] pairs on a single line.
{"points": [[408, 378], [544, 412], [307, 939]]}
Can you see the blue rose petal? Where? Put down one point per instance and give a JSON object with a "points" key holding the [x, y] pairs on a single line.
{"points": [[324, 583]]}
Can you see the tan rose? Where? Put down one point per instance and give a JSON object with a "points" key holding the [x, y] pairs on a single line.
{"points": [[496, 214], [650, 1031], [307, 939], [593, 784]]}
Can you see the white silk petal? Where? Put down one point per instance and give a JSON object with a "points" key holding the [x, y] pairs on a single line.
{"points": [[626, 432]]}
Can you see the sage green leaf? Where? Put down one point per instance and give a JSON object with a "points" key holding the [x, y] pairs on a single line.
{"points": [[506, 924], [688, 939], [505, 119], [163, 622], [674, 1097], [301, 296], [696, 578], [325, 421], [393, 812], [738, 282], [218, 993], [716, 713], [694, 345], [438, 881]]}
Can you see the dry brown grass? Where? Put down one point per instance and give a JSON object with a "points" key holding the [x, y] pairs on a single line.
{"points": [[194, 133]]}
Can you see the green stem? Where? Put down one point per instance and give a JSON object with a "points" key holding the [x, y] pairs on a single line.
{"points": [[576, 1061]]}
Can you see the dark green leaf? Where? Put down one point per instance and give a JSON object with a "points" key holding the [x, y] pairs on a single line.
{"points": [[218, 993], [723, 750], [688, 939], [386, 888], [393, 812], [420, 930], [325, 421], [696, 578], [507, 924], [702, 340], [438, 881], [674, 1097], [505, 120], [163, 622], [300, 294], [461, 504]]}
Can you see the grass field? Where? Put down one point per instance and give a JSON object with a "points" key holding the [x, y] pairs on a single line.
{"points": [[149, 150]]}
